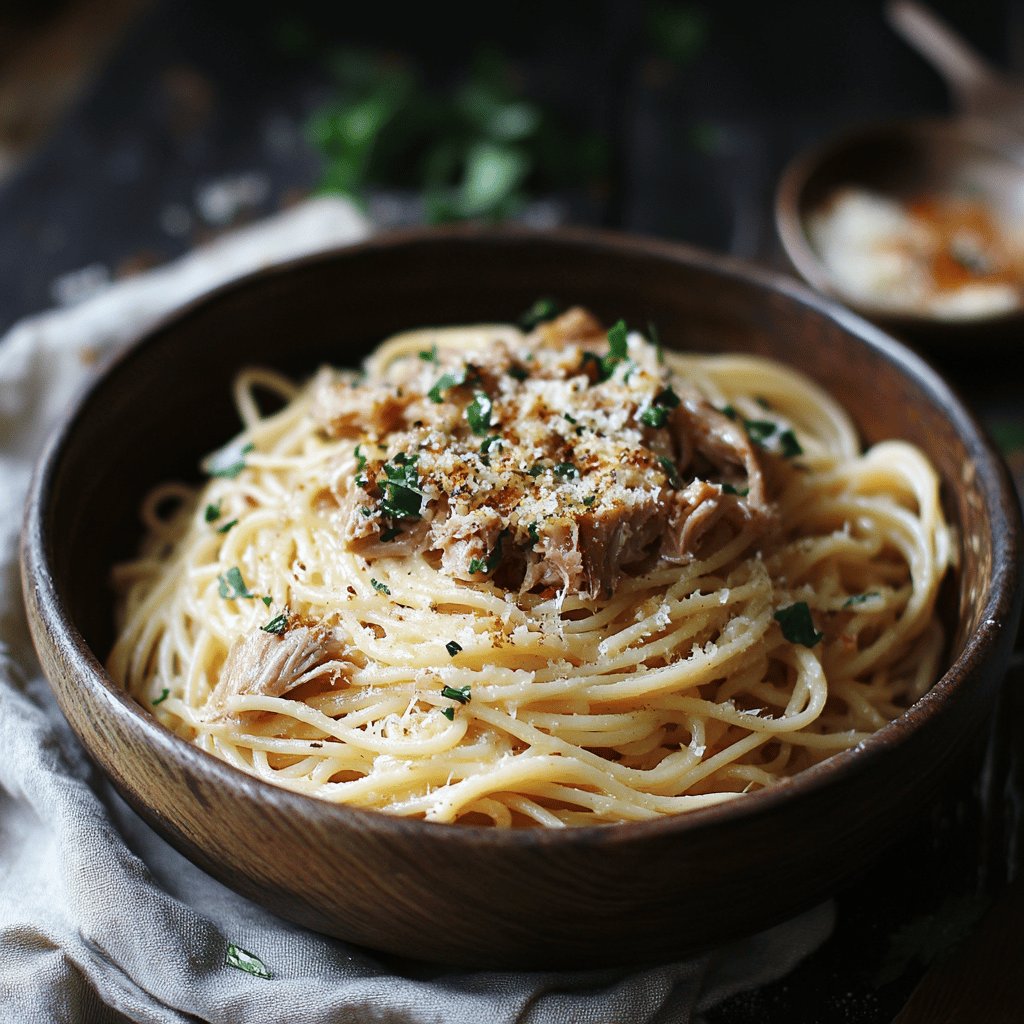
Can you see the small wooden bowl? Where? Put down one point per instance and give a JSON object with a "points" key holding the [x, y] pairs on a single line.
{"points": [[610, 895], [904, 160]]}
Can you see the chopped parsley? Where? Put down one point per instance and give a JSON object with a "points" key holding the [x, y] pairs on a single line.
{"points": [[453, 648], [658, 411], [266, 599], [478, 413], [617, 340], [429, 355], [485, 446], [532, 531], [492, 561], [729, 489], [227, 526], [571, 419], [243, 960], [670, 471], [797, 624], [856, 599], [360, 466], [448, 713], [381, 588], [212, 513], [789, 445], [536, 469], [444, 383], [228, 462], [164, 694], [543, 309], [390, 534], [654, 337], [402, 493], [590, 499], [763, 431], [231, 586], [277, 625], [518, 373], [729, 411], [461, 694], [566, 470]]}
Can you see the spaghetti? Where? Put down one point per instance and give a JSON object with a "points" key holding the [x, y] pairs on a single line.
{"points": [[548, 579]]}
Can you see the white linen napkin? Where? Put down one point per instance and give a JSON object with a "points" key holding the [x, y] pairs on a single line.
{"points": [[102, 921]]}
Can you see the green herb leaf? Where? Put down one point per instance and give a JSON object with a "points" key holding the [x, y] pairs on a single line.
{"points": [[243, 960], [453, 648], [617, 340], [729, 489], [789, 445], [536, 470], [381, 588], [390, 534], [532, 531], [360, 458], [760, 430], [266, 599], [571, 419], [227, 526], [448, 713], [729, 411], [164, 694], [590, 499], [228, 462], [430, 355], [654, 416], [492, 561], [402, 491], [444, 383], [542, 310], [478, 413], [212, 513], [566, 470], [485, 446], [461, 694], [277, 625], [518, 373], [797, 624], [855, 599], [231, 586], [670, 471]]}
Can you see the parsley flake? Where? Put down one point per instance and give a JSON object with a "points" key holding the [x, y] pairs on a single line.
{"points": [[231, 586], [429, 355], [492, 561], [654, 416], [590, 499], [212, 513], [617, 340], [729, 489], [518, 373], [277, 625], [266, 599], [760, 430], [797, 624], [390, 534], [536, 469], [478, 413], [453, 648], [448, 713], [243, 960], [381, 588], [444, 383], [789, 445], [543, 309], [670, 471], [227, 526], [164, 694], [566, 470], [461, 694], [402, 492], [532, 531]]}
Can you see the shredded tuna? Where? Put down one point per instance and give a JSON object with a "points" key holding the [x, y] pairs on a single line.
{"points": [[544, 461], [272, 665]]}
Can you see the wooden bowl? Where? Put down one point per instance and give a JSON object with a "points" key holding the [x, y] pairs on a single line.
{"points": [[904, 160], [612, 895]]}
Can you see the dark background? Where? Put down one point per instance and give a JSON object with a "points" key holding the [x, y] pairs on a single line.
{"points": [[116, 118]]}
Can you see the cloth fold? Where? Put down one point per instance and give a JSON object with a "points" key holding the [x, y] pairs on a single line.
{"points": [[101, 920]]}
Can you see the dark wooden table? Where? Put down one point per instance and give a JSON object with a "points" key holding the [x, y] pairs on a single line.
{"points": [[199, 95]]}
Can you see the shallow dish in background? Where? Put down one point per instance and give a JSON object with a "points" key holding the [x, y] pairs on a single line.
{"points": [[903, 161], [615, 894]]}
